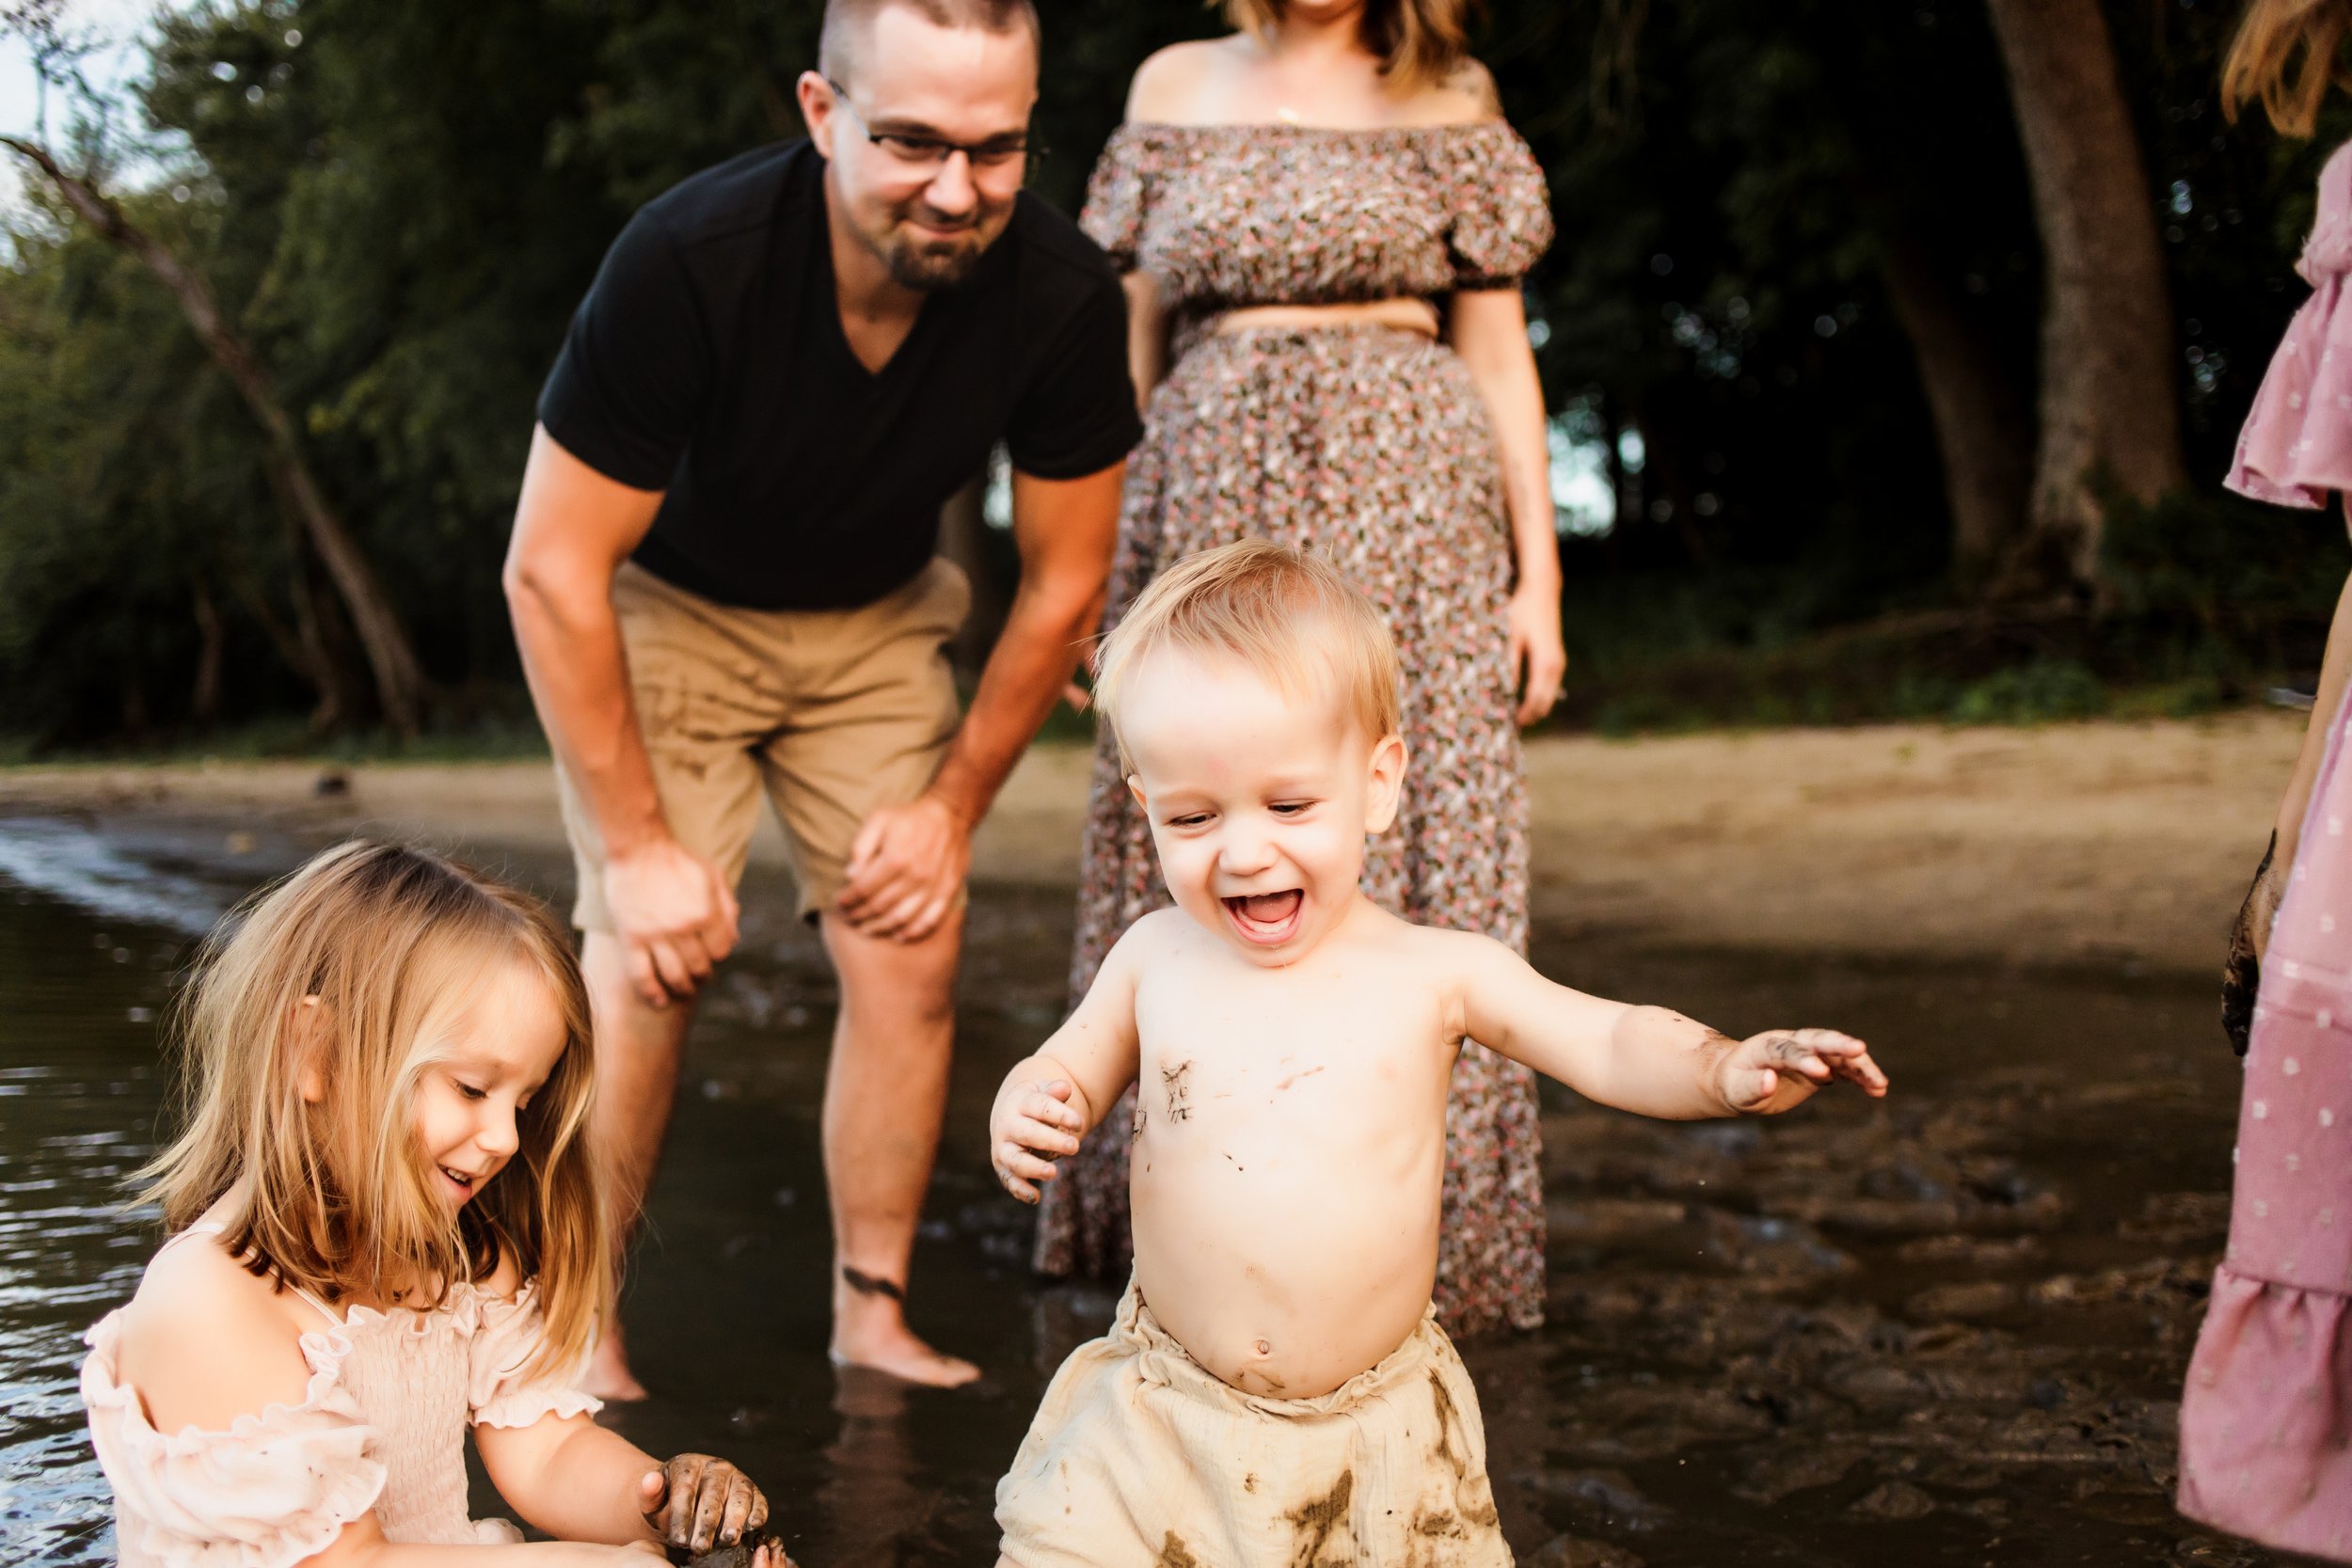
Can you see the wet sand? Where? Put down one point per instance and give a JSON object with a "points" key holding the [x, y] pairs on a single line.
{"points": [[1946, 1330], [2101, 844]]}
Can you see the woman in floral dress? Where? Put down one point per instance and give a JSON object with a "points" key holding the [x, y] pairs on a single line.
{"points": [[1324, 221]]}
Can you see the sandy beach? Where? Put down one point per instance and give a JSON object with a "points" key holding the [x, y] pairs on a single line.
{"points": [[2101, 844]]}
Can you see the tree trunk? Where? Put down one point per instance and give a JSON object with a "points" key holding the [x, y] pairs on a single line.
{"points": [[211, 650], [399, 679], [302, 647], [1982, 430], [2109, 408]]}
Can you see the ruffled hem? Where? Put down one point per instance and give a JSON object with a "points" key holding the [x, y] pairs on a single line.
{"points": [[273, 1489], [534, 1404], [2269, 1397], [2296, 444], [1496, 209], [501, 1390]]}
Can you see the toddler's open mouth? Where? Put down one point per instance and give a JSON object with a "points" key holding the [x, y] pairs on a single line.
{"points": [[1267, 918]]}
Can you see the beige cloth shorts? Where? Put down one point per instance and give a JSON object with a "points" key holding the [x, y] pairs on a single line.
{"points": [[831, 713], [1140, 1458]]}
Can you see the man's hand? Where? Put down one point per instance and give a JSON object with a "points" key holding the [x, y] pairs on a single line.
{"points": [[696, 1502], [1771, 1073], [1538, 657], [906, 870], [1031, 1125], [675, 915]]}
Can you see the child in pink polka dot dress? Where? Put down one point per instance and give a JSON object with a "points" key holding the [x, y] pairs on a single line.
{"points": [[2267, 1415]]}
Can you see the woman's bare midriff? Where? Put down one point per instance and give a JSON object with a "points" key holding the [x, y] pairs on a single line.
{"points": [[1407, 315]]}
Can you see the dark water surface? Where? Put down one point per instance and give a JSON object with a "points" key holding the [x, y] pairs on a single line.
{"points": [[1948, 1330]]}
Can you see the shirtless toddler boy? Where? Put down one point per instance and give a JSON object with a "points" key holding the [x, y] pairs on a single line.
{"points": [[1275, 1389]]}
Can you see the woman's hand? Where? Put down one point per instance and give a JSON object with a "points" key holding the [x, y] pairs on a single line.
{"points": [[1538, 657], [696, 1502]]}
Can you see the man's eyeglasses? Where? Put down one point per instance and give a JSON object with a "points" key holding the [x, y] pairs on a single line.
{"points": [[929, 154]]}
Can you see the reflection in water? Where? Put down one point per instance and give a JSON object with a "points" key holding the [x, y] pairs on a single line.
{"points": [[869, 1497], [1948, 1330]]}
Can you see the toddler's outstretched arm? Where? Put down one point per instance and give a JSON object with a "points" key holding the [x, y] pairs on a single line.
{"points": [[1052, 1100], [1648, 1060]]}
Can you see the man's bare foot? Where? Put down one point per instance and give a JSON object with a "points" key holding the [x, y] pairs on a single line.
{"points": [[607, 1375], [869, 1329]]}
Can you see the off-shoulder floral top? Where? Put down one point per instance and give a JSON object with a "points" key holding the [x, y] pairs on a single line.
{"points": [[1225, 216]]}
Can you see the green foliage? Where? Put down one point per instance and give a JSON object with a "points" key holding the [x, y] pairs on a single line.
{"points": [[400, 205]]}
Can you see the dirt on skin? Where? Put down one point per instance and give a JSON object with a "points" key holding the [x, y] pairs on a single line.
{"points": [[2098, 842], [1944, 1329]]}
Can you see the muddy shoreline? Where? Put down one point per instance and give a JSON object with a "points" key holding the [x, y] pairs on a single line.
{"points": [[1947, 1330], [2113, 845]]}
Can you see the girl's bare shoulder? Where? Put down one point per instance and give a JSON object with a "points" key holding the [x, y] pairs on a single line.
{"points": [[206, 1341]]}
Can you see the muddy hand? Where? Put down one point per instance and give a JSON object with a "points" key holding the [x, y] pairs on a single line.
{"points": [[766, 1553], [1774, 1071], [696, 1502], [1034, 1125]]}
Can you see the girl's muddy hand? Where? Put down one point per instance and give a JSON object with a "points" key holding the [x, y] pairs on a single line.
{"points": [[696, 1502]]}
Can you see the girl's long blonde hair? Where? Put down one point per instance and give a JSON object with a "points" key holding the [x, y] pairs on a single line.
{"points": [[2287, 54], [347, 976], [1420, 42]]}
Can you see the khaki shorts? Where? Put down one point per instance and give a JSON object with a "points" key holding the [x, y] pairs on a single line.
{"points": [[831, 713], [1140, 1457]]}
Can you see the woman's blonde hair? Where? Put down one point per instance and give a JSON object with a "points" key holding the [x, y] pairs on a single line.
{"points": [[2287, 54], [1280, 612], [347, 977], [1420, 42]]}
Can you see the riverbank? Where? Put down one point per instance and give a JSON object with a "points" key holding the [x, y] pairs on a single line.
{"points": [[2101, 844]]}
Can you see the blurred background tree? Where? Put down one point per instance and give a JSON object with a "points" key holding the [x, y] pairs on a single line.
{"points": [[1896, 351]]}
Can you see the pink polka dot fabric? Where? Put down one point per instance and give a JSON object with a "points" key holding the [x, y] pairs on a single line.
{"points": [[2267, 1412], [2266, 1418], [2296, 445]]}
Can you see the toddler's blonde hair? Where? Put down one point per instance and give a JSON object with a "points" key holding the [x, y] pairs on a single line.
{"points": [[2287, 54], [352, 972], [1287, 615]]}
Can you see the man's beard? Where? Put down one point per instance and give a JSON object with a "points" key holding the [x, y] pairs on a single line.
{"points": [[927, 265]]}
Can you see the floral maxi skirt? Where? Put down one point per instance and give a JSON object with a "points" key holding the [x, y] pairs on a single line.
{"points": [[1371, 448]]}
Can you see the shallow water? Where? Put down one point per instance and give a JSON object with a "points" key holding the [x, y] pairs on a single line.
{"points": [[1949, 1330]]}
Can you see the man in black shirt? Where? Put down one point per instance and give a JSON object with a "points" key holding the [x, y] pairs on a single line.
{"points": [[722, 580]]}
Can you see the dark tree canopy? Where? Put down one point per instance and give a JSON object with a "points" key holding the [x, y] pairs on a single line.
{"points": [[1793, 315]]}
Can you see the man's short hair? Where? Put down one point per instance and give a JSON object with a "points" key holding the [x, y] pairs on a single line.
{"points": [[1286, 615], [847, 21]]}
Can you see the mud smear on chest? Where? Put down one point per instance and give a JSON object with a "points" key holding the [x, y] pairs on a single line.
{"points": [[1174, 1083]]}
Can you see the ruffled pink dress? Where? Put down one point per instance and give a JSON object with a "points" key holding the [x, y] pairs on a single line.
{"points": [[2266, 1419], [382, 1425]]}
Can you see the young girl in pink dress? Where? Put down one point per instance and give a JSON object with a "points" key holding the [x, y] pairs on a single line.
{"points": [[385, 1229], [2269, 1407]]}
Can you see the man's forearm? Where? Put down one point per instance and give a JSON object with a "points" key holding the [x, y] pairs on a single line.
{"points": [[577, 670], [1032, 661]]}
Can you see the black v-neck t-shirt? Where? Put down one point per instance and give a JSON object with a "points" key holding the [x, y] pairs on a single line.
{"points": [[708, 362]]}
